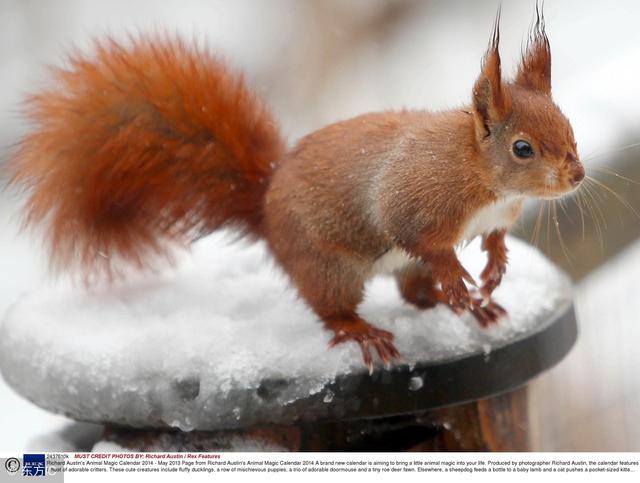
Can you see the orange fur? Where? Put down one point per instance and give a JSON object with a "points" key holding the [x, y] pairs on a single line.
{"points": [[160, 143], [140, 147], [535, 65], [491, 100]]}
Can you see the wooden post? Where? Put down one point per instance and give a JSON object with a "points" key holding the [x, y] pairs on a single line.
{"points": [[498, 423]]}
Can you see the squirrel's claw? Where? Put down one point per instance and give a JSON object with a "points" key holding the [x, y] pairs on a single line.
{"points": [[368, 338], [457, 296], [486, 311]]}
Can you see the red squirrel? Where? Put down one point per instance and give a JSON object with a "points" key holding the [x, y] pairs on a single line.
{"points": [[136, 149]]}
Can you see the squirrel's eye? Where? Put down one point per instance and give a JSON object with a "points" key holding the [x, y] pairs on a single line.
{"points": [[522, 149]]}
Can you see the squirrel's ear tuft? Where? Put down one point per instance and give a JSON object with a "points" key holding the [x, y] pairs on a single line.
{"points": [[491, 101], [535, 67]]}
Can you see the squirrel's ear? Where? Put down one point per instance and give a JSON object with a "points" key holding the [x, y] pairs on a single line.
{"points": [[535, 67], [491, 101]]}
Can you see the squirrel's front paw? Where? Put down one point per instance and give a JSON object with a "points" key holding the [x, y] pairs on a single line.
{"points": [[456, 294], [367, 337], [486, 311], [491, 277]]}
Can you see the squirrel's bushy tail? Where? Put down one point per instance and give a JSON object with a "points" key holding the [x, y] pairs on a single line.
{"points": [[142, 147]]}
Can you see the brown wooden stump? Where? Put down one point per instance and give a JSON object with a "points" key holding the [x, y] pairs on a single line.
{"points": [[498, 423]]}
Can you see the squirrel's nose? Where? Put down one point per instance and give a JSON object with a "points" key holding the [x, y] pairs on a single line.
{"points": [[576, 170]]}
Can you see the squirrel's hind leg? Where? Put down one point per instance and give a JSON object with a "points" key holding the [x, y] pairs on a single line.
{"points": [[333, 285], [350, 327], [418, 287]]}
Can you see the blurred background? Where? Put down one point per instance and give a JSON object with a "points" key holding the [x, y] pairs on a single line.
{"points": [[318, 61]]}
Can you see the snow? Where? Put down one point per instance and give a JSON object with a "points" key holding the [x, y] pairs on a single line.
{"points": [[415, 383], [186, 347]]}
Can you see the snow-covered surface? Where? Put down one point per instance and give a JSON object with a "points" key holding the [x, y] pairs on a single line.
{"points": [[190, 348]]}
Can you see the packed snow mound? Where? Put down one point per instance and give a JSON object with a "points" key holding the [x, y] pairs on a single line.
{"points": [[207, 345]]}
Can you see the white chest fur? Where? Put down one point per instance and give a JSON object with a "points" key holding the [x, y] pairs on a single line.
{"points": [[498, 215]]}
